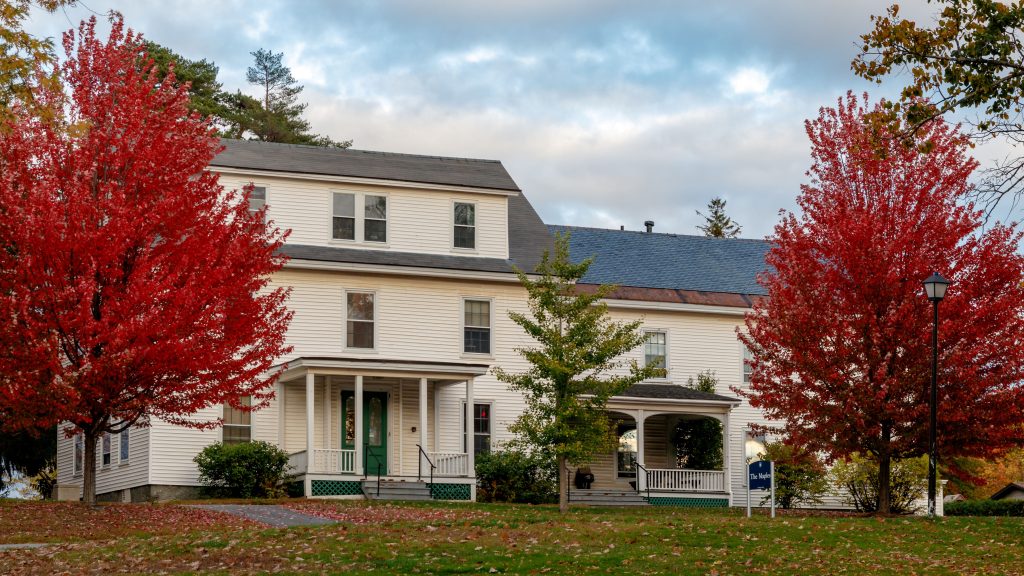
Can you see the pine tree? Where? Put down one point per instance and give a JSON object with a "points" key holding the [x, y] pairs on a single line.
{"points": [[575, 366], [718, 225]]}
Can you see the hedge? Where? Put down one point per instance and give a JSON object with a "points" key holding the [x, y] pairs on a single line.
{"points": [[985, 508]]}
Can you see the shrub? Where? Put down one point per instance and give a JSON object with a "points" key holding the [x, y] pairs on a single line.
{"points": [[800, 476], [247, 470], [514, 476], [985, 508], [859, 476], [45, 481]]}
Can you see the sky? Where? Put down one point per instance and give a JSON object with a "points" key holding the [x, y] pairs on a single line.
{"points": [[606, 113]]}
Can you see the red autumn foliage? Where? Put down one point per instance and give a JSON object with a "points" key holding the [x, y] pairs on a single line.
{"points": [[842, 344], [132, 286]]}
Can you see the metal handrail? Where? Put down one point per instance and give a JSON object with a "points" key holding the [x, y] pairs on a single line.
{"points": [[419, 469], [365, 454], [647, 479]]}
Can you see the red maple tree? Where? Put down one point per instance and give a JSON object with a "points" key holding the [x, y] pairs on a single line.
{"points": [[842, 344], [132, 285]]}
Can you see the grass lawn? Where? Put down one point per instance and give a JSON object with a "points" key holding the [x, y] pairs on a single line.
{"points": [[436, 538]]}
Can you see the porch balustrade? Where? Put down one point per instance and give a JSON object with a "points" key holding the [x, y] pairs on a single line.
{"points": [[683, 480], [450, 463], [324, 462]]}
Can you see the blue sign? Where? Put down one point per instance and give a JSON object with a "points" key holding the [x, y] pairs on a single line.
{"points": [[760, 474]]}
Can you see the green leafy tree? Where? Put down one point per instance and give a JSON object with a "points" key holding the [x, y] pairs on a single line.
{"points": [[698, 443], [859, 475], [800, 475], [970, 58], [716, 223], [575, 367], [205, 92], [280, 117], [21, 52]]}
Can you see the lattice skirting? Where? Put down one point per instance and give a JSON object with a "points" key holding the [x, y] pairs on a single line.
{"points": [[450, 491], [689, 502], [336, 488]]}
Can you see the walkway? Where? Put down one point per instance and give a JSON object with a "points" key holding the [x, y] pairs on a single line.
{"points": [[272, 515]]}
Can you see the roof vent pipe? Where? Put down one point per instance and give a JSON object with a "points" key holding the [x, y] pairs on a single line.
{"points": [[650, 225]]}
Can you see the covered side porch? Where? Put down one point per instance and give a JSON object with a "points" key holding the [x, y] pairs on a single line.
{"points": [[673, 446], [348, 422]]}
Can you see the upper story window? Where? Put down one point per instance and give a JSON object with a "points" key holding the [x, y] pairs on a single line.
{"points": [[343, 221], [656, 350], [375, 222], [237, 423], [360, 320], [747, 368], [258, 199], [476, 327], [465, 225]]}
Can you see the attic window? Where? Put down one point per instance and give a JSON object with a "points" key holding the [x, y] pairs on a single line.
{"points": [[375, 223], [343, 222], [465, 225], [258, 199]]}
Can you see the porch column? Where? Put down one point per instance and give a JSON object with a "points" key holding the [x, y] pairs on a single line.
{"points": [[727, 456], [359, 425], [423, 425], [470, 464], [641, 479], [309, 432]]}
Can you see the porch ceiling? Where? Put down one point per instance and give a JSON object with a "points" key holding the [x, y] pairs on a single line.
{"points": [[342, 365]]}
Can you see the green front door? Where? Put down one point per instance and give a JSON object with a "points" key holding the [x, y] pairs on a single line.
{"points": [[375, 429]]}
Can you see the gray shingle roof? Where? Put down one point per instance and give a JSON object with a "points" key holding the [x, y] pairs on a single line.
{"points": [[388, 258], [672, 392], [675, 261], [294, 158]]}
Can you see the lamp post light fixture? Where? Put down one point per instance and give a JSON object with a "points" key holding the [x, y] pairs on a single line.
{"points": [[935, 288]]}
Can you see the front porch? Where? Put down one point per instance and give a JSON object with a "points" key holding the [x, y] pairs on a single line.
{"points": [[350, 423], [656, 459]]}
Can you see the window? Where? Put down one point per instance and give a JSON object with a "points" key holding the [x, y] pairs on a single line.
{"points": [[124, 446], [476, 328], [258, 199], [79, 453], [465, 225], [481, 429], [360, 320], [375, 221], [747, 368], [343, 223], [106, 449], [237, 423], [655, 349], [626, 455]]}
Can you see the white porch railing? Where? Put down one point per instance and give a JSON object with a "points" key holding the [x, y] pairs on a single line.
{"points": [[333, 461], [682, 480], [297, 462], [450, 463]]}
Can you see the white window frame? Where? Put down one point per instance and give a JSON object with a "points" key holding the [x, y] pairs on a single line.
{"points": [[78, 454], [462, 323], [476, 227], [745, 372], [124, 436], [355, 217], [668, 349], [252, 424], [376, 321], [465, 439], [266, 199], [106, 450], [359, 211]]}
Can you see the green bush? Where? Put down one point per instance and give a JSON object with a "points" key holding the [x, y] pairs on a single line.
{"points": [[247, 470], [800, 476], [985, 508], [859, 476], [515, 476]]}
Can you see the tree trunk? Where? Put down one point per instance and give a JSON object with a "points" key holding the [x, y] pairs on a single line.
{"points": [[885, 472], [563, 486], [89, 469]]}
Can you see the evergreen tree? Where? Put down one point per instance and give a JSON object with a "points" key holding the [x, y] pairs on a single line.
{"points": [[575, 367], [717, 224], [280, 117]]}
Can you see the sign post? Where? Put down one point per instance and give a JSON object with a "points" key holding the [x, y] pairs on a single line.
{"points": [[761, 476]]}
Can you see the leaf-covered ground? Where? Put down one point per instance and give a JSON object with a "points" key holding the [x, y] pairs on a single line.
{"points": [[434, 538]]}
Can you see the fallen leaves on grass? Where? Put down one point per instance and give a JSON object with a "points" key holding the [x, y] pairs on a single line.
{"points": [[361, 512]]}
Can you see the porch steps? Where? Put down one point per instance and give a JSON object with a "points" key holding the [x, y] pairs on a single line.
{"points": [[396, 490], [597, 497]]}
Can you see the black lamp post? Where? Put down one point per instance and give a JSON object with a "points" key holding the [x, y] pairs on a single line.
{"points": [[935, 288]]}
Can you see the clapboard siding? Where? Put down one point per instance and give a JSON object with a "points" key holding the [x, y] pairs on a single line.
{"points": [[419, 221], [119, 475], [173, 448]]}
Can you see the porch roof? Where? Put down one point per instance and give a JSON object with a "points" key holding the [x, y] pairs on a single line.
{"points": [[673, 392], [299, 366]]}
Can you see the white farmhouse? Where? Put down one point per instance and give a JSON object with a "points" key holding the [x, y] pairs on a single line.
{"points": [[402, 276]]}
